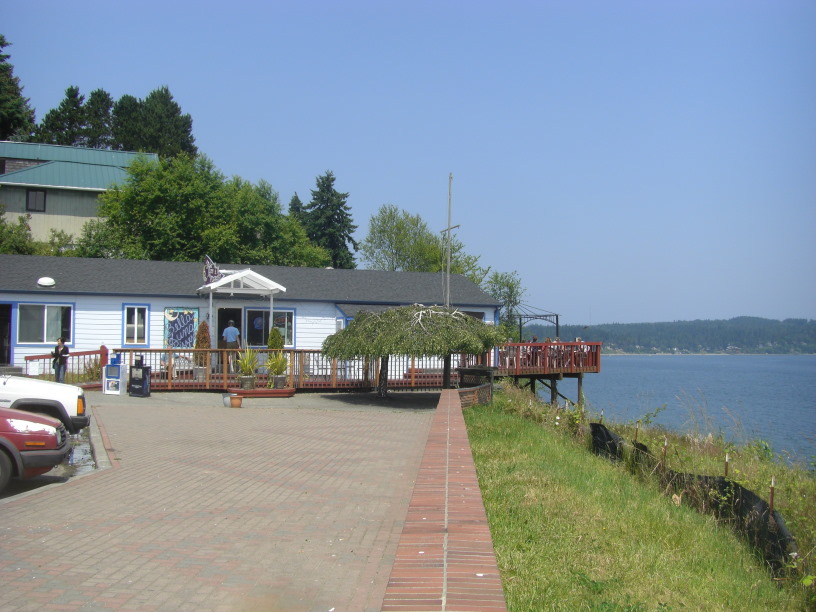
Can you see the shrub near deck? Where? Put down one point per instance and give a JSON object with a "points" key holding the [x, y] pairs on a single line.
{"points": [[572, 532]]}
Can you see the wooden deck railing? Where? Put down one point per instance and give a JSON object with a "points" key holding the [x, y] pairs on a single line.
{"points": [[83, 367], [549, 358], [204, 369]]}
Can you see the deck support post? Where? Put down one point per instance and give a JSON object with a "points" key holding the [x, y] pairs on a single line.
{"points": [[553, 391], [581, 390]]}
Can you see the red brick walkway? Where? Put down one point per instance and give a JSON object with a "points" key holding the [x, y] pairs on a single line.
{"points": [[445, 558]]}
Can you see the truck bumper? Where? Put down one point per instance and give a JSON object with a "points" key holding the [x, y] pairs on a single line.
{"points": [[78, 423]]}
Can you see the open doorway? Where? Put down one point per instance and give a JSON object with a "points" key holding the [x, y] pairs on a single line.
{"points": [[225, 315]]}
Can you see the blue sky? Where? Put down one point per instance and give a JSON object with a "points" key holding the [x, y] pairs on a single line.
{"points": [[633, 161]]}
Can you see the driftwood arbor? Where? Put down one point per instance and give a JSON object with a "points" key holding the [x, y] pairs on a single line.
{"points": [[416, 331]]}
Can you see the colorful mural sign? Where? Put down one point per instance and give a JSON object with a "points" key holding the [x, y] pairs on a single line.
{"points": [[180, 326]]}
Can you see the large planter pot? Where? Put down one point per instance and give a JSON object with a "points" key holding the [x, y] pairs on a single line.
{"points": [[235, 401], [246, 382], [279, 381]]}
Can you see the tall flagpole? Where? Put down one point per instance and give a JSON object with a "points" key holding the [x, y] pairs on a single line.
{"points": [[449, 229], [447, 280]]}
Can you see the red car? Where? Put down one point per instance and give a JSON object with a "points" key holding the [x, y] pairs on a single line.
{"points": [[30, 444]]}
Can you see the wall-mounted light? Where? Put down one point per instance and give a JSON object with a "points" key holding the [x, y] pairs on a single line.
{"points": [[46, 281]]}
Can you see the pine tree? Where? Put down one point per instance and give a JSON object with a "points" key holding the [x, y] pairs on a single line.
{"points": [[64, 125], [328, 223], [97, 130], [296, 207], [126, 125], [16, 116], [164, 129]]}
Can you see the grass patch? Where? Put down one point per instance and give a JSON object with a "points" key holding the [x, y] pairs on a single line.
{"points": [[573, 532]]}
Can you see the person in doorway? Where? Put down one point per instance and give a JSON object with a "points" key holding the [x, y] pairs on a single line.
{"points": [[231, 336], [60, 361]]}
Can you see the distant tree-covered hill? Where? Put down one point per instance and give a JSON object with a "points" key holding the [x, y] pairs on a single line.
{"points": [[738, 335]]}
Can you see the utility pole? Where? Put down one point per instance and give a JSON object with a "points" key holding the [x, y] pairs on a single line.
{"points": [[448, 244]]}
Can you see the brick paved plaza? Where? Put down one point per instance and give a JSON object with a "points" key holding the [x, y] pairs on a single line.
{"points": [[283, 504]]}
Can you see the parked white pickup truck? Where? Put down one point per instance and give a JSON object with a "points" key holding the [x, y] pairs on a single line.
{"points": [[65, 403]]}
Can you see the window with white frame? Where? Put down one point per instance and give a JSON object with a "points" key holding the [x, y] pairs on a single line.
{"points": [[136, 318], [44, 323], [257, 333]]}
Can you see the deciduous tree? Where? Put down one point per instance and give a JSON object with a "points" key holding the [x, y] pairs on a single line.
{"points": [[398, 240], [506, 287], [15, 238], [415, 331], [182, 208]]}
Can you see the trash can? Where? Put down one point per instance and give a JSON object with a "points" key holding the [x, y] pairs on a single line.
{"points": [[140, 381]]}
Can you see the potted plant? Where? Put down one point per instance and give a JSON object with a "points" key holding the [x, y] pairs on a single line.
{"points": [[277, 362], [247, 364], [202, 341], [276, 367], [275, 340]]}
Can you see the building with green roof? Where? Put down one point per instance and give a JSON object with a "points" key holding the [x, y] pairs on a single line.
{"points": [[58, 186]]}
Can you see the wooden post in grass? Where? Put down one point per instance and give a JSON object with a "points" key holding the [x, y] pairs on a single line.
{"points": [[726, 465], [771, 495], [637, 427], [602, 416], [665, 448]]}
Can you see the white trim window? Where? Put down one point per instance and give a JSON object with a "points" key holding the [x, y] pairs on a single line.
{"points": [[44, 323], [136, 317], [257, 328]]}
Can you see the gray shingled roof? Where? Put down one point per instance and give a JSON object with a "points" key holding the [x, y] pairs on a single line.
{"points": [[77, 276]]}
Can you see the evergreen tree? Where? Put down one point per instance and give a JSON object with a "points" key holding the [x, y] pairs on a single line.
{"points": [[164, 129], [126, 124], [296, 207], [328, 223], [16, 116], [64, 125], [98, 133]]}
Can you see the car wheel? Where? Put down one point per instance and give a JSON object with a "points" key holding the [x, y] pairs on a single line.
{"points": [[5, 470]]}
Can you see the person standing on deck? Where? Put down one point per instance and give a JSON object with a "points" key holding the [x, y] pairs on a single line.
{"points": [[60, 362], [230, 336]]}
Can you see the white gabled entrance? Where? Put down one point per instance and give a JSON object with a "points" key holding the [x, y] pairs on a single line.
{"points": [[237, 283]]}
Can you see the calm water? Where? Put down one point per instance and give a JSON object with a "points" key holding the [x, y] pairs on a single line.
{"points": [[745, 397]]}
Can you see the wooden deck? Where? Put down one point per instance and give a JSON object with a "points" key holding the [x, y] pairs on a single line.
{"points": [[309, 370]]}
